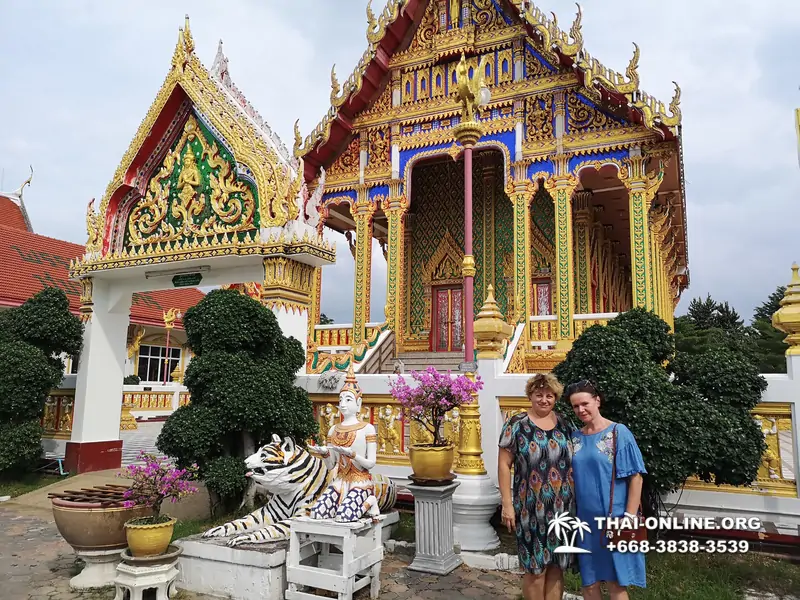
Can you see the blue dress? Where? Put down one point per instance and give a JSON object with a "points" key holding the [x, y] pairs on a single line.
{"points": [[591, 468], [542, 487]]}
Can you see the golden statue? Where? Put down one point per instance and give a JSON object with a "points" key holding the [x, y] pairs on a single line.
{"points": [[455, 8], [169, 317], [472, 93]]}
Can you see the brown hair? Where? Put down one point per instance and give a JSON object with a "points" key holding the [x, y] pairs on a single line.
{"points": [[543, 381]]}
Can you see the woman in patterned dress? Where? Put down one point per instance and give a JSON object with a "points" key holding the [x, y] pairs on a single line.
{"points": [[537, 444], [593, 456]]}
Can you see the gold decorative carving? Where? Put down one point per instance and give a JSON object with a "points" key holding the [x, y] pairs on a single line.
{"points": [[86, 307], [136, 342], [288, 284], [492, 332], [584, 118], [94, 229], [170, 317], [389, 430], [787, 318], [539, 118], [348, 162]]}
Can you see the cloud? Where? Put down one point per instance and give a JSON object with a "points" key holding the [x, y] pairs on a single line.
{"points": [[79, 77]]}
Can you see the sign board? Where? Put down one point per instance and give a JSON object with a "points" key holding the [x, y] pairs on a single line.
{"points": [[187, 280], [468, 367]]}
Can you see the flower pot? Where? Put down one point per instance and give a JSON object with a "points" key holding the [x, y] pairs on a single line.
{"points": [[431, 463], [93, 527], [149, 539]]}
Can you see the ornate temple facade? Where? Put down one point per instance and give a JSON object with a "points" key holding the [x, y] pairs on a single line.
{"points": [[579, 203]]}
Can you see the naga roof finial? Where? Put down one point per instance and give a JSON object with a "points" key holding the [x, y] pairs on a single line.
{"points": [[187, 36]]}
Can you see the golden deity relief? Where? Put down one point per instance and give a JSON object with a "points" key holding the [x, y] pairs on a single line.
{"points": [[225, 205]]}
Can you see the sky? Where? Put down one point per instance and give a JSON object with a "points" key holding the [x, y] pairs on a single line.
{"points": [[78, 76]]}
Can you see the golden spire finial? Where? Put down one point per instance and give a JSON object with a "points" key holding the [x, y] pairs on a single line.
{"points": [[787, 318], [298, 139], [187, 36], [335, 87]]}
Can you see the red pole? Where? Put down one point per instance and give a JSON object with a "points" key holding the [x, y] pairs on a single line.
{"points": [[468, 279]]}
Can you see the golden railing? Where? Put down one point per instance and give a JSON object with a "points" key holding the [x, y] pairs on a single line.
{"points": [[149, 400], [329, 335], [185, 399], [544, 329], [583, 322], [776, 474], [395, 434], [57, 417]]}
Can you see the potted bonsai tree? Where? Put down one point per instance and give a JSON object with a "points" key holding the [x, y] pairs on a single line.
{"points": [[427, 404], [153, 483]]}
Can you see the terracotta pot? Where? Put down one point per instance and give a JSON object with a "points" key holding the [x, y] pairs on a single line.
{"points": [[88, 526], [149, 540], [432, 463]]}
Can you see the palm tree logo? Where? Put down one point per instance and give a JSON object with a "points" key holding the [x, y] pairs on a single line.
{"points": [[561, 525]]}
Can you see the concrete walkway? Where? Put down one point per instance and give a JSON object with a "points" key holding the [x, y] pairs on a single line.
{"points": [[37, 564]]}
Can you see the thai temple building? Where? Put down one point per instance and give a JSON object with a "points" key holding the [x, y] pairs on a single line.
{"points": [[578, 207]]}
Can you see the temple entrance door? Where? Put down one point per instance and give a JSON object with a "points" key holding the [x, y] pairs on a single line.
{"points": [[448, 318]]}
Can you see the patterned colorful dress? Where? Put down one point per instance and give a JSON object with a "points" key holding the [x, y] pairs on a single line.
{"points": [[542, 487], [592, 461]]}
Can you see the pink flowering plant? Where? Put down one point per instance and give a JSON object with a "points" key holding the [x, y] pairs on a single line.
{"points": [[433, 397], [154, 482]]}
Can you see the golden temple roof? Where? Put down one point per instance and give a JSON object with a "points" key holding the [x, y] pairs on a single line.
{"points": [[599, 82]]}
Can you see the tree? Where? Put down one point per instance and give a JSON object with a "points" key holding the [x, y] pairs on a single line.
{"points": [[32, 338], [241, 381], [769, 341], [325, 319], [685, 419]]}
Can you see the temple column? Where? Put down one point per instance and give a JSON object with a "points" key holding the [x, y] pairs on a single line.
{"points": [[599, 244], [395, 210], [363, 210], [583, 253], [94, 442], [561, 187], [641, 190], [522, 196]]}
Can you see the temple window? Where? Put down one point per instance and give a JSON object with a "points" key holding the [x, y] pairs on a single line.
{"points": [[438, 81], [424, 85], [542, 294], [488, 70], [152, 361], [408, 88], [505, 66]]}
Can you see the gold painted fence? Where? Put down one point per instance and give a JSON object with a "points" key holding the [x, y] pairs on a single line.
{"points": [[395, 434]]}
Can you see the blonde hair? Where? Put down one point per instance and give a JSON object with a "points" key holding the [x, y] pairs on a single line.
{"points": [[544, 381]]}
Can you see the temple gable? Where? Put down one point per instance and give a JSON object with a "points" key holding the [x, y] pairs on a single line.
{"points": [[194, 193]]}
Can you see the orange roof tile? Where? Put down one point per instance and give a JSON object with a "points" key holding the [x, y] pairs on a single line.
{"points": [[30, 262], [11, 214]]}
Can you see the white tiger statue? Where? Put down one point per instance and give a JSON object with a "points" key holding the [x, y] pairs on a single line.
{"points": [[295, 479]]}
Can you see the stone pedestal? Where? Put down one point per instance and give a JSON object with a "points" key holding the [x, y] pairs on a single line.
{"points": [[433, 516], [100, 569], [135, 575], [474, 504]]}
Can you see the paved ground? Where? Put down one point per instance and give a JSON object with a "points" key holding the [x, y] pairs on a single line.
{"points": [[37, 564]]}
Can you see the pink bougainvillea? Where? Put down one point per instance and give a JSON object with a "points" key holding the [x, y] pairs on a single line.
{"points": [[433, 397], [156, 481]]}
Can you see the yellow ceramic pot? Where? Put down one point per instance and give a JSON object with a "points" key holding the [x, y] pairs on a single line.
{"points": [[149, 540], [432, 463]]}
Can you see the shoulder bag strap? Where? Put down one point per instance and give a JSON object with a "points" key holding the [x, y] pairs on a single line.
{"points": [[613, 471]]}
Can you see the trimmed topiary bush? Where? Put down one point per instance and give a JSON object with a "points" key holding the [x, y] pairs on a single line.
{"points": [[32, 336], [241, 381], [690, 416]]}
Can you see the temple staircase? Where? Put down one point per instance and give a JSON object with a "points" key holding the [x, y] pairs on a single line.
{"points": [[419, 361]]}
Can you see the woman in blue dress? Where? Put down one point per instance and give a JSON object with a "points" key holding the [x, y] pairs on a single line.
{"points": [[593, 454]]}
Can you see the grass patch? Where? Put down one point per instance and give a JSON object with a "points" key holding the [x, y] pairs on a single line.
{"points": [[188, 528], [28, 483], [710, 577], [405, 530]]}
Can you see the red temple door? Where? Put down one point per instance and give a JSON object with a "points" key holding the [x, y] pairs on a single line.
{"points": [[448, 317]]}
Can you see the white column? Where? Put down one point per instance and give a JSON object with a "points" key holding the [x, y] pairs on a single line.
{"points": [[94, 443], [491, 417], [293, 323], [433, 510]]}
